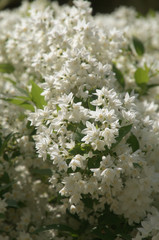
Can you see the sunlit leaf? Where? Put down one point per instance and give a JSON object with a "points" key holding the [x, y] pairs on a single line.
{"points": [[6, 68], [141, 76], [36, 96]]}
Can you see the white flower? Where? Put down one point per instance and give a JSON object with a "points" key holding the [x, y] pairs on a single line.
{"points": [[77, 161]]}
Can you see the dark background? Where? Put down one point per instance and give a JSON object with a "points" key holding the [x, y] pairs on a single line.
{"points": [[104, 6]]}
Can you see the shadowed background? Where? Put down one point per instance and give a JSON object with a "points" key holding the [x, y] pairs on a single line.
{"points": [[103, 6]]}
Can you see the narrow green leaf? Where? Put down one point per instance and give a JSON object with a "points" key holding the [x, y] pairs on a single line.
{"points": [[20, 101], [41, 172], [136, 165], [23, 91], [10, 80], [119, 76], [5, 142], [153, 85], [6, 68], [0, 142], [36, 96], [123, 131], [60, 227], [133, 142], [138, 45], [5, 187], [141, 76], [27, 106]]}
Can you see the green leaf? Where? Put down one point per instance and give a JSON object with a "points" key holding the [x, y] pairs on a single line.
{"points": [[43, 172], [10, 80], [138, 45], [5, 142], [133, 142], [36, 96], [113, 224], [12, 203], [94, 162], [2, 215], [58, 108], [141, 76], [0, 142], [5, 178], [78, 149], [6, 68], [123, 131], [23, 91], [119, 76], [20, 101], [152, 85], [137, 165], [5, 187], [104, 234], [60, 227], [87, 200]]}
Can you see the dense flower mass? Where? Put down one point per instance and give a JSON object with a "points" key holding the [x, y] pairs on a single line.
{"points": [[79, 123]]}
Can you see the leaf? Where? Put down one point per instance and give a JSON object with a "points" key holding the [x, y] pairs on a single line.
{"points": [[138, 45], [133, 142], [21, 103], [23, 91], [5, 142], [123, 131], [36, 96], [0, 142], [6, 68], [152, 85], [5, 187], [2, 215], [113, 224], [119, 76], [87, 200], [76, 149], [10, 80], [12, 203], [104, 234], [136, 165], [41, 172], [58, 108], [141, 76], [94, 162], [5, 178], [60, 227]]}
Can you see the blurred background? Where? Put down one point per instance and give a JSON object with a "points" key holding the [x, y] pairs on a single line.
{"points": [[102, 6]]}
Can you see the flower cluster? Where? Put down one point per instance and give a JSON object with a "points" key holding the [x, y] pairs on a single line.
{"points": [[79, 124]]}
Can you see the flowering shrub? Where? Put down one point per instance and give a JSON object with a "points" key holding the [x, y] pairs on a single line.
{"points": [[79, 131]]}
